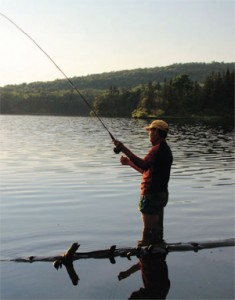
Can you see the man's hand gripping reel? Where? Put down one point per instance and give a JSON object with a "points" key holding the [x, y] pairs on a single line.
{"points": [[116, 150]]}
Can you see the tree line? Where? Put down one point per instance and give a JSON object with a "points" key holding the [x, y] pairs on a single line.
{"points": [[179, 95], [63, 103], [123, 79]]}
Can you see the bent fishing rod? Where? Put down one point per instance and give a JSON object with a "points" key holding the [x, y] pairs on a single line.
{"points": [[116, 150]]}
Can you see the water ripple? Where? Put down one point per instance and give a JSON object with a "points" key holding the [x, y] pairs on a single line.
{"points": [[60, 180]]}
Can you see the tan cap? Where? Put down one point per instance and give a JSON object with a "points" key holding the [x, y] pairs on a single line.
{"points": [[159, 124]]}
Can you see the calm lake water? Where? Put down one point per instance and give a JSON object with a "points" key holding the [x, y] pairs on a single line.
{"points": [[61, 183]]}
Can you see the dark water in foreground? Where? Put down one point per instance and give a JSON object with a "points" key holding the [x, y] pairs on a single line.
{"points": [[61, 183]]}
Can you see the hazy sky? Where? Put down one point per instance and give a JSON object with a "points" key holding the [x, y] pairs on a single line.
{"points": [[95, 36]]}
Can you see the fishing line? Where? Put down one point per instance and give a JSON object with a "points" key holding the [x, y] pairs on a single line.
{"points": [[63, 73]]}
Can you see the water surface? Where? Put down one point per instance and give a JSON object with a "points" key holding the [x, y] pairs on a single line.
{"points": [[61, 183]]}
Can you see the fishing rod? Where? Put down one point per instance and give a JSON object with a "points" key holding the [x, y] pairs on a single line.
{"points": [[116, 150]]}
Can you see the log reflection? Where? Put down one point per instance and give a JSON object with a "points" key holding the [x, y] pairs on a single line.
{"points": [[151, 262]]}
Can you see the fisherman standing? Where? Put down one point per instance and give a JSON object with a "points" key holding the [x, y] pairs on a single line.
{"points": [[155, 168]]}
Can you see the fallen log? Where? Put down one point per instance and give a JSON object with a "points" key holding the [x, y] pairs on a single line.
{"points": [[159, 251], [112, 252]]}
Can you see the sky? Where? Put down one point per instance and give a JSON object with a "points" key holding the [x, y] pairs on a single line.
{"points": [[86, 37]]}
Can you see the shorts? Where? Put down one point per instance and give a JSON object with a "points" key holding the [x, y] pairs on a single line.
{"points": [[153, 203]]}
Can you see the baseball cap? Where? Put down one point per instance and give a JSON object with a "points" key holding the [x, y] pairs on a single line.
{"points": [[159, 124]]}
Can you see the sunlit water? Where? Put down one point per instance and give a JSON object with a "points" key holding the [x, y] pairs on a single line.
{"points": [[61, 183]]}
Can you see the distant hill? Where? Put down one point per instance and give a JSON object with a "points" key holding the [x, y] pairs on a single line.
{"points": [[179, 89], [126, 78]]}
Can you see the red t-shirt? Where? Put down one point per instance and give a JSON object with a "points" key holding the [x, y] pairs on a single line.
{"points": [[156, 167]]}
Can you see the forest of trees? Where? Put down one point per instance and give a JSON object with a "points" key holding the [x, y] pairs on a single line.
{"points": [[176, 90], [179, 96]]}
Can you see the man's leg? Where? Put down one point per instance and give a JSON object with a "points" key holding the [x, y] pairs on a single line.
{"points": [[160, 224], [152, 228]]}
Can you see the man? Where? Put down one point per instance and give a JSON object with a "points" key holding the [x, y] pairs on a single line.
{"points": [[155, 168]]}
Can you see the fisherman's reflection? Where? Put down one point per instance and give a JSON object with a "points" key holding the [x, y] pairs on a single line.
{"points": [[154, 275]]}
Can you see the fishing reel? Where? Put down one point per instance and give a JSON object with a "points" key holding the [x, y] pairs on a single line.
{"points": [[116, 150]]}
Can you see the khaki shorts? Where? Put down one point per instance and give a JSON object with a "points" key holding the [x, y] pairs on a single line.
{"points": [[153, 203]]}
